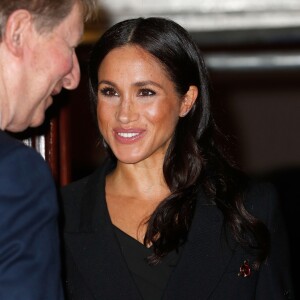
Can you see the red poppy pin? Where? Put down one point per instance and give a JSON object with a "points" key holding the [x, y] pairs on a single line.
{"points": [[245, 270]]}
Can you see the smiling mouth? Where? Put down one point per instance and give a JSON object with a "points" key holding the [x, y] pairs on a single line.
{"points": [[127, 134], [129, 137]]}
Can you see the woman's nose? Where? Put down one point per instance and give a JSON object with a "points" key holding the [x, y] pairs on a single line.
{"points": [[127, 112]]}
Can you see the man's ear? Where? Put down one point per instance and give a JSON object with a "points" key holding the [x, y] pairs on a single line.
{"points": [[188, 100], [15, 30]]}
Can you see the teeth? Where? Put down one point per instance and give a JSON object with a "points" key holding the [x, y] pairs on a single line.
{"points": [[127, 134]]}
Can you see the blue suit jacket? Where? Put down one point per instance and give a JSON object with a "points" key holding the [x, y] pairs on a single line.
{"points": [[29, 244], [208, 267]]}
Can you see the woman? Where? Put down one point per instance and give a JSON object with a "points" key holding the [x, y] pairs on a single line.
{"points": [[166, 216]]}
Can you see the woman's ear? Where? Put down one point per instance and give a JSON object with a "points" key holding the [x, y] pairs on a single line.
{"points": [[188, 100], [16, 25]]}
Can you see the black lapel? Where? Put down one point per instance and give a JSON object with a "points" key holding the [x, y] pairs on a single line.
{"points": [[204, 257], [96, 250]]}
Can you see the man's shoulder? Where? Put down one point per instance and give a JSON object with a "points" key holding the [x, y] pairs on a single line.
{"points": [[8, 143], [22, 168], [14, 153]]}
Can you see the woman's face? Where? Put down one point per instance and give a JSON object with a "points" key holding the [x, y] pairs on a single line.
{"points": [[138, 107]]}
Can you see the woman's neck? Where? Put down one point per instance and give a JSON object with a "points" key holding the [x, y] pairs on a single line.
{"points": [[140, 180], [132, 194]]}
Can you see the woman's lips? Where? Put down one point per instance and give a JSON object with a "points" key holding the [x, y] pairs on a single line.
{"points": [[129, 136]]}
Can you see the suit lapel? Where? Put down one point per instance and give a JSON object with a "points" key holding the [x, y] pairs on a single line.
{"points": [[204, 258], [96, 250]]}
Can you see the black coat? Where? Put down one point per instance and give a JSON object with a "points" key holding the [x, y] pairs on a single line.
{"points": [[208, 267]]}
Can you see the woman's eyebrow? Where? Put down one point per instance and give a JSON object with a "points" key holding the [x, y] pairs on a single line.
{"points": [[138, 83], [106, 82], [147, 82]]}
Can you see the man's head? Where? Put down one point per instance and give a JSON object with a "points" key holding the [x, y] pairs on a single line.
{"points": [[37, 56]]}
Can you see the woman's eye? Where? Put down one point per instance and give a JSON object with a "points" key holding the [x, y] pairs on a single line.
{"points": [[109, 92], [146, 93]]}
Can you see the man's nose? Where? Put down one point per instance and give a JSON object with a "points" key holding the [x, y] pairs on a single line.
{"points": [[71, 80]]}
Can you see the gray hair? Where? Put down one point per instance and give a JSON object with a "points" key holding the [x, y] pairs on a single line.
{"points": [[46, 13]]}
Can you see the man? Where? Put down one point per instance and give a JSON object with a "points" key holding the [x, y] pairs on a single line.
{"points": [[37, 60]]}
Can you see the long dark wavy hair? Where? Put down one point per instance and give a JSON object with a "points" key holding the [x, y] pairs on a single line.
{"points": [[193, 158]]}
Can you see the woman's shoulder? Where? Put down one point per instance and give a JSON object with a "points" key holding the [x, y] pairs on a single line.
{"points": [[72, 197], [84, 189], [70, 200], [74, 189], [261, 199]]}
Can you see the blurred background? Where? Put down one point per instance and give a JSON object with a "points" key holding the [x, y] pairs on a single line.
{"points": [[252, 50]]}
